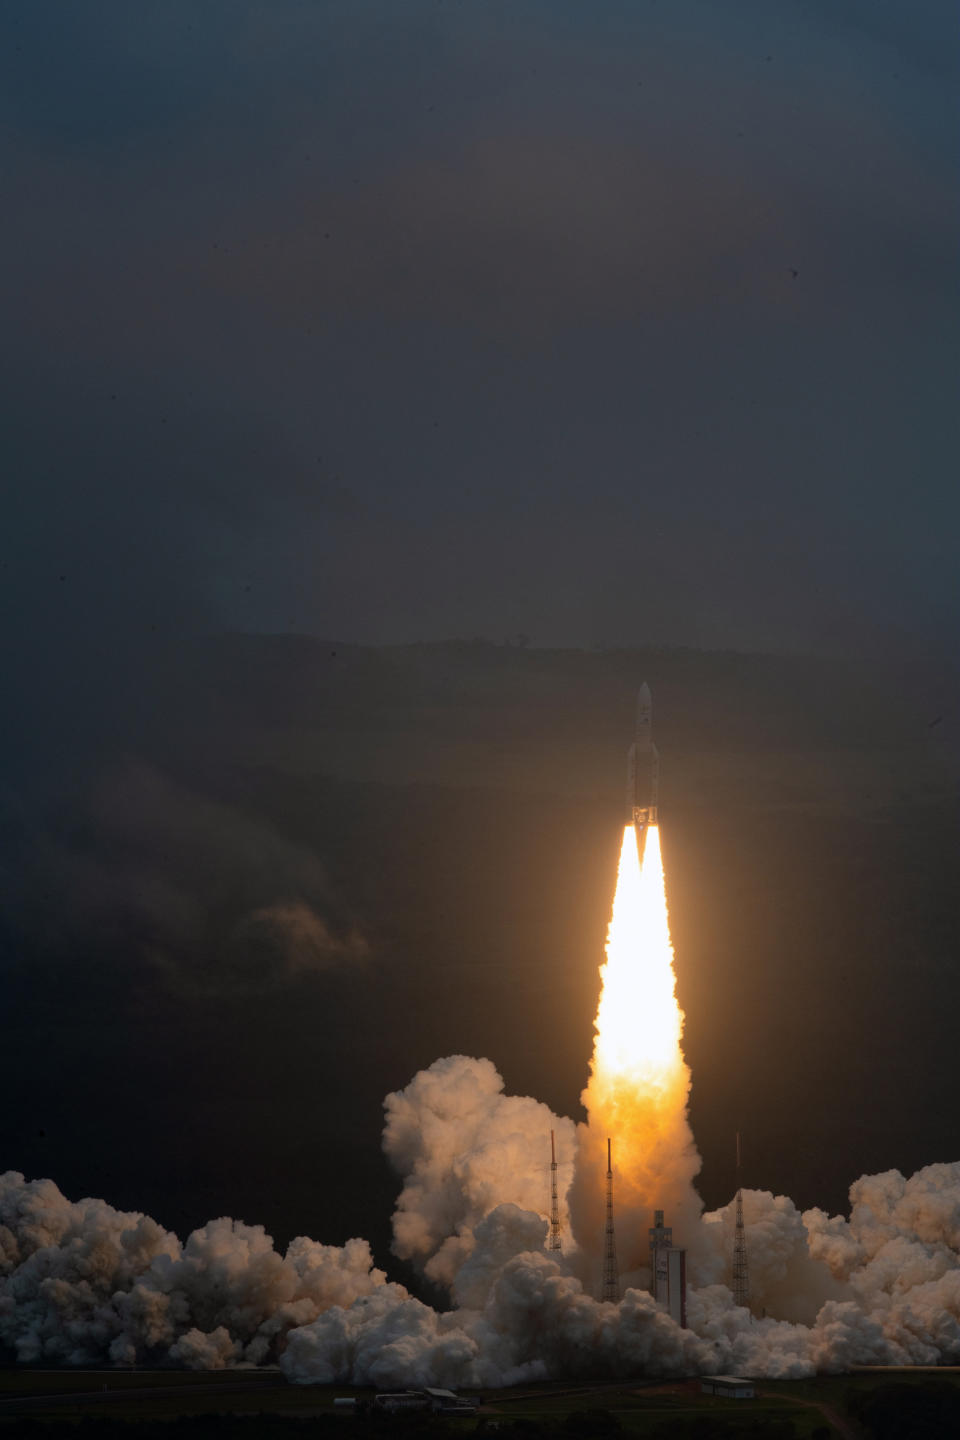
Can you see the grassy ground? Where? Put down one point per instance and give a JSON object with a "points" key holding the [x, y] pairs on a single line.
{"points": [[641, 1408], [56, 1382], [155, 1394], [832, 1389]]}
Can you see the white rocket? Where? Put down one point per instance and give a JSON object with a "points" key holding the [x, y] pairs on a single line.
{"points": [[643, 767]]}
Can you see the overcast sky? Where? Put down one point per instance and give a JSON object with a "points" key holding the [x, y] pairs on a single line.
{"points": [[610, 324], [606, 323]]}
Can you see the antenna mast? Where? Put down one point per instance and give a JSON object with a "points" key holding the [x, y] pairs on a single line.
{"points": [[741, 1278], [610, 1290], [554, 1243]]}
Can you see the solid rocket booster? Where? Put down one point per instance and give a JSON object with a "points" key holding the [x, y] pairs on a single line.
{"points": [[643, 767]]}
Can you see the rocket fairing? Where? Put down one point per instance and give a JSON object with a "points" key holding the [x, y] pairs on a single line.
{"points": [[643, 767]]}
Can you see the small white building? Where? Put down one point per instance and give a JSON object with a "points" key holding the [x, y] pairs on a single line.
{"points": [[393, 1401], [440, 1399], [441, 1402], [732, 1386], [445, 1402]]}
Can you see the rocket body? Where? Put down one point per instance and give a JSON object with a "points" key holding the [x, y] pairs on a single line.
{"points": [[643, 768]]}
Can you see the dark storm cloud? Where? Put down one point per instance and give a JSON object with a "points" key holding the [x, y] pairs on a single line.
{"points": [[147, 875]]}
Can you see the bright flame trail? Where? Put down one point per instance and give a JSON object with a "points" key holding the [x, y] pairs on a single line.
{"points": [[639, 1080], [639, 1022]]}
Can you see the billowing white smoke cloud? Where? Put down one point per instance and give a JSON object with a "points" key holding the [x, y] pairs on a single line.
{"points": [[463, 1147], [83, 1282], [527, 1319]]}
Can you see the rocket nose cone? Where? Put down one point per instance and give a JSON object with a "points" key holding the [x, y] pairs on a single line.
{"points": [[643, 694]]}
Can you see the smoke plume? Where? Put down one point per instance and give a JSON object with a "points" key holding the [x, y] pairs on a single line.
{"points": [[463, 1149], [82, 1283]]}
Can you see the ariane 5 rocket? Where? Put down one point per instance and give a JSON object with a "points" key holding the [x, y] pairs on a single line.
{"points": [[643, 768]]}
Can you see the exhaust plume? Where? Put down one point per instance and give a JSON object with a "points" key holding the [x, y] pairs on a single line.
{"points": [[82, 1283], [639, 1081], [463, 1148]]}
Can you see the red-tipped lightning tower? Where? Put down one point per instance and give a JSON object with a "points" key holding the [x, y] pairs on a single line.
{"points": [[610, 1289], [741, 1278], [554, 1243]]}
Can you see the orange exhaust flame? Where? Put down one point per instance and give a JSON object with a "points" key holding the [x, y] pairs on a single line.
{"points": [[639, 1080]]}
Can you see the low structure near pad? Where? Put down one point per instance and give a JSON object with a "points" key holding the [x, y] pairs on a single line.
{"points": [[729, 1385]]}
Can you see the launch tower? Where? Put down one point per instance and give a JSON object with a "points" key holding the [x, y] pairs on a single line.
{"points": [[610, 1289], [554, 1243], [741, 1278]]}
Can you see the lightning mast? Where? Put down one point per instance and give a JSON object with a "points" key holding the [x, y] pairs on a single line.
{"points": [[741, 1278], [554, 1243], [610, 1289]]}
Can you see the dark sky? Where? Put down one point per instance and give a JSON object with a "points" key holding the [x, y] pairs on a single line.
{"points": [[607, 324], [390, 321]]}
